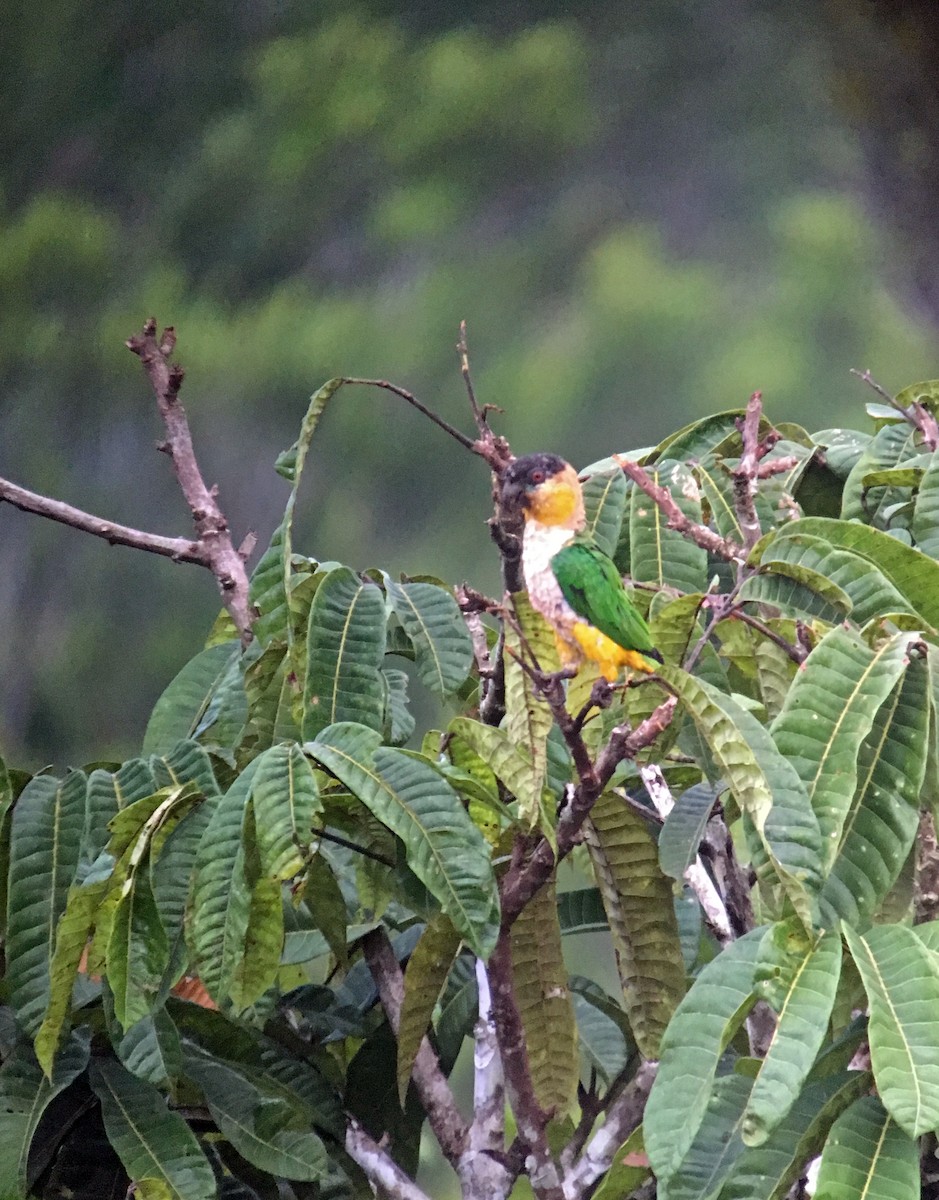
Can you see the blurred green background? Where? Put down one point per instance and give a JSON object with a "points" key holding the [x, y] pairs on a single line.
{"points": [[643, 211]]}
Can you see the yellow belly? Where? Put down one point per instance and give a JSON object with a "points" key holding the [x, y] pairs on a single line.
{"points": [[596, 647]]}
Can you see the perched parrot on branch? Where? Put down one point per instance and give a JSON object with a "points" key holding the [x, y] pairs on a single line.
{"points": [[570, 580]]}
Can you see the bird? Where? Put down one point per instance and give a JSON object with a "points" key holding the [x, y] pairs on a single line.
{"points": [[570, 580]]}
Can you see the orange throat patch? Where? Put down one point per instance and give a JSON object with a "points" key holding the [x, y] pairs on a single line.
{"points": [[558, 501]]}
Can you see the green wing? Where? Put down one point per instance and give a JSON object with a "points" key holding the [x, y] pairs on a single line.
{"points": [[591, 585]]}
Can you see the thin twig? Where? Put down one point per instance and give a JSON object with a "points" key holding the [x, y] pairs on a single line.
{"points": [[444, 1117], [706, 538], [338, 840], [224, 561], [178, 549], [466, 442], [916, 415], [798, 654], [745, 472]]}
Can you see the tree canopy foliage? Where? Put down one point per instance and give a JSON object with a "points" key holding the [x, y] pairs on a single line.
{"points": [[321, 189], [242, 962]]}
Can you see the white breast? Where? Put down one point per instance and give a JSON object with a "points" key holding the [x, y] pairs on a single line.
{"points": [[539, 545]]}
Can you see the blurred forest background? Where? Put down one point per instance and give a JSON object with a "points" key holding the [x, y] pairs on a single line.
{"points": [[643, 211]]}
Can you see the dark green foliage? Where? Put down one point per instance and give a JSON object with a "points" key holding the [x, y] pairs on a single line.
{"points": [[190, 971]]}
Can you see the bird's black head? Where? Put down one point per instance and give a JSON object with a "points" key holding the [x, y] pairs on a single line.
{"points": [[526, 474]]}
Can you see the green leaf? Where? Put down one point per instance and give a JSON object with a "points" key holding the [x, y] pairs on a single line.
{"points": [[539, 980], [187, 762], [696, 440], [843, 448], [883, 817], [399, 720], [605, 506], [151, 1050], [286, 802], [45, 840], [444, 848], [266, 1122], [829, 711], [869, 592], [582, 911], [765, 785], [25, 1093], [703, 1024], [256, 967], [432, 620], [892, 445], [683, 829], [270, 582], [925, 524], [902, 986], [528, 718], [177, 713], [424, 979], [345, 647], [602, 1041], [767, 1172], [138, 950], [154, 1144], [108, 793], [868, 1154], [221, 897], [659, 554], [638, 902], [912, 573], [502, 756], [717, 1146], [803, 977]]}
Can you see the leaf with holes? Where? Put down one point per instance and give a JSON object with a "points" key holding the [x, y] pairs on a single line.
{"points": [[659, 554]]}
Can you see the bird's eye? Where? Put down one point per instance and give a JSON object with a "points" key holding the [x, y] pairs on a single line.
{"points": [[537, 476]]}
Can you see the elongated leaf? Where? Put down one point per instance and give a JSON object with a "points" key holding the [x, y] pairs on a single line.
{"points": [[442, 645], [179, 710], [925, 524], [892, 444], [602, 1041], [913, 574], [868, 1154], [539, 980], [582, 911], [683, 829], [902, 986], [71, 937], [764, 784], [704, 1023], [286, 801], [638, 902], [221, 896], [266, 1122], [883, 818], [528, 718], [399, 720], [187, 762], [717, 1146], [345, 647], [47, 824], [829, 711], [155, 1145], [502, 756], [659, 554], [271, 579], [605, 506], [138, 950], [802, 991], [255, 969], [445, 850], [767, 1172], [424, 979], [108, 793], [869, 591], [793, 598], [25, 1093], [151, 1050]]}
